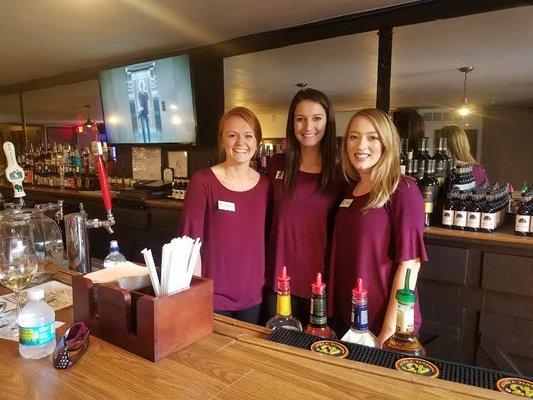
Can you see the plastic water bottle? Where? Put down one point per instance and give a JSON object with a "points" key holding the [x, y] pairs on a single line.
{"points": [[114, 257], [37, 332]]}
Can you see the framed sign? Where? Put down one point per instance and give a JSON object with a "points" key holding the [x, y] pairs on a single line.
{"points": [[179, 162]]}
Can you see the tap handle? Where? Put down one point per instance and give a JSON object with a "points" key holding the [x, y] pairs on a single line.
{"points": [[14, 173]]}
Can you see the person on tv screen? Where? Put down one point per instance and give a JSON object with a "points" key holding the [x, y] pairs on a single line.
{"points": [[226, 207], [142, 96]]}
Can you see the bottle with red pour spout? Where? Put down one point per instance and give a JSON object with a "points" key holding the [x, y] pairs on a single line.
{"points": [[283, 317], [318, 320], [359, 333]]}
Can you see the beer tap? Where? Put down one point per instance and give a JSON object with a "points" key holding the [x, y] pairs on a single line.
{"points": [[76, 224]]}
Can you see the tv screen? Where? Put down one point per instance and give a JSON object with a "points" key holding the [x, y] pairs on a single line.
{"points": [[149, 102]]}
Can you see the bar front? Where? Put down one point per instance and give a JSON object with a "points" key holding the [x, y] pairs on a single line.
{"points": [[339, 206]]}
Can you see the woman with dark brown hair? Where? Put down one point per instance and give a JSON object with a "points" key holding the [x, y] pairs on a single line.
{"points": [[411, 126], [305, 191], [225, 207]]}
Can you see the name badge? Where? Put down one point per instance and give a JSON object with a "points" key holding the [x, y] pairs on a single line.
{"points": [[346, 203], [279, 174], [226, 206]]}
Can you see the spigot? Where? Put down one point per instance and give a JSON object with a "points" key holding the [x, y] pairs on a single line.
{"points": [[50, 207]]}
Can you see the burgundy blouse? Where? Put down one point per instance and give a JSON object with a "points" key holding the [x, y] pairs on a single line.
{"points": [[371, 245], [301, 228], [233, 249], [480, 176]]}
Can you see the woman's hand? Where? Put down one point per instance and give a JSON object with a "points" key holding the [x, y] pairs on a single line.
{"points": [[386, 332]]}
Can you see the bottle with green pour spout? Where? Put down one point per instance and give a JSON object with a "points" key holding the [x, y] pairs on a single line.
{"points": [[404, 339]]}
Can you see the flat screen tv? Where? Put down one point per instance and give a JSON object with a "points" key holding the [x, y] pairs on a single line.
{"points": [[149, 102]]}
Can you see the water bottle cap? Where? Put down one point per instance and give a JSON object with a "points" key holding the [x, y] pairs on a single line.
{"points": [[36, 294], [113, 244]]}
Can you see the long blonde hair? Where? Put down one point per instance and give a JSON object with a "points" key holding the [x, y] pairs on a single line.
{"points": [[385, 175], [458, 145]]}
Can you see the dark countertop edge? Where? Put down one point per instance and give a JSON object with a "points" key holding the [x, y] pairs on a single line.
{"points": [[151, 203]]}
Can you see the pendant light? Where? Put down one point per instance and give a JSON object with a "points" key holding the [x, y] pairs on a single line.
{"points": [[301, 86], [465, 110], [88, 124]]}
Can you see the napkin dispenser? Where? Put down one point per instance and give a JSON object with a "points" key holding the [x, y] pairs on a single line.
{"points": [[137, 321]]}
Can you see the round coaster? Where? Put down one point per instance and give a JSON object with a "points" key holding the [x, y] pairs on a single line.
{"points": [[330, 348], [516, 386], [417, 366]]}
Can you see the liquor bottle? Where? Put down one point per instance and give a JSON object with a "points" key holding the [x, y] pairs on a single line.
{"points": [[441, 161], [523, 217], [422, 153], [359, 333], [473, 217], [461, 212], [404, 339], [420, 170], [403, 155], [318, 320], [448, 210], [488, 215], [428, 187], [263, 159], [283, 317]]}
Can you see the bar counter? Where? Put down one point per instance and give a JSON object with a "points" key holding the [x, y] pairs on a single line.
{"points": [[234, 362], [475, 291]]}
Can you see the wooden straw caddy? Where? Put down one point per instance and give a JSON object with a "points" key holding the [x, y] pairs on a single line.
{"points": [[137, 321]]}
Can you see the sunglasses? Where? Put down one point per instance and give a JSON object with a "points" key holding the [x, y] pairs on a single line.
{"points": [[71, 346]]}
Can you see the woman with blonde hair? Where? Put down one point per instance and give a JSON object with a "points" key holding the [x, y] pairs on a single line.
{"points": [[458, 147], [225, 207], [379, 226]]}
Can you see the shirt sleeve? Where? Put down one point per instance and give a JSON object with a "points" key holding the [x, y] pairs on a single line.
{"points": [[407, 215], [194, 208]]}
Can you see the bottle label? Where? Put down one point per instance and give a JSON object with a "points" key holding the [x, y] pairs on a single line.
{"points": [[488, 221], [37, 335], [318, 311], [429, 198], [447, 217], [360, 317], [405, 321], [473, 219], [402, 169], [522, 223], [460, 218]]}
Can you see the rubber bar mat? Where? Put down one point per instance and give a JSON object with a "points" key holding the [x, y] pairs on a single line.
{"points": [[466, 374]]}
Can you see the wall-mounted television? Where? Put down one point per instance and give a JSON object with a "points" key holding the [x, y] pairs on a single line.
{"points": [[149, 102]]}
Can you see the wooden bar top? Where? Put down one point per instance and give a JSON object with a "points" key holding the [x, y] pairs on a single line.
{"points": [[235, 362]]}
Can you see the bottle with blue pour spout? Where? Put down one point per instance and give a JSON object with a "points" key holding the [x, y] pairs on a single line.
{"points": [[359, 332]]}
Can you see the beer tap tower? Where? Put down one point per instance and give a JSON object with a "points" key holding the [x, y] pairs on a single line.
{"points": [[76, 224]]}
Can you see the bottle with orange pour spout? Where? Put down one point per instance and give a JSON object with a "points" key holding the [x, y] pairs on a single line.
{"points": [[359, 333], [283, 317], [318, 320]]}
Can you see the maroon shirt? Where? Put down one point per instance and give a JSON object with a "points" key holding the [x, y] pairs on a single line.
{"points": [[371, 245], [233, 249], [480, 176], [301, 229]]}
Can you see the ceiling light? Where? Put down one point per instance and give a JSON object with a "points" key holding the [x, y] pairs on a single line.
{"points": [[88, 123], [465, 109]]}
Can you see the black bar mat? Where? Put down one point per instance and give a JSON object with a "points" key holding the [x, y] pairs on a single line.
{"points": [[450, 371]]}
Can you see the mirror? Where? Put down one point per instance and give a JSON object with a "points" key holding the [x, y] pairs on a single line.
{"points": [[344, 68], [425, 76]]}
